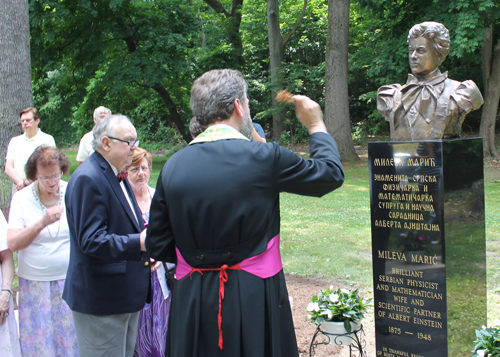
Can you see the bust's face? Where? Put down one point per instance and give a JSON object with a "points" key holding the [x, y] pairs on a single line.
{"points": [[423, 58]]}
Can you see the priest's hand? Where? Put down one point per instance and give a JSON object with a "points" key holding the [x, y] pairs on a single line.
{"points": [[309, 113]]}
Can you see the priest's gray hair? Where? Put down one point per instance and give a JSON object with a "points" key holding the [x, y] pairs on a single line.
{"points": [[213, 95], [106, 127], [435, 32]]}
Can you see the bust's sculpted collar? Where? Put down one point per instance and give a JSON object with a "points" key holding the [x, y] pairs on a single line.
{"points": [[430, 79], [429, 76], [423, 94]]}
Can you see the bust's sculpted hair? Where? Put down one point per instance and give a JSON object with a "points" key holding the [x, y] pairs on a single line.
{"points": [[437, 34], [213, 95]]}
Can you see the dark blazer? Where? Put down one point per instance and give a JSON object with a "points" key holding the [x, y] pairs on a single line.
{"points": [[107, 272]]}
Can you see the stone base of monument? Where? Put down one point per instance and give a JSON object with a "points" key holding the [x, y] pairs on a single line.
{"points": [[428, 245]]}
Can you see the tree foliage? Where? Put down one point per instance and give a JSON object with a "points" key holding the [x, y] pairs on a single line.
{"points": [[122, 54], [140, 57]]}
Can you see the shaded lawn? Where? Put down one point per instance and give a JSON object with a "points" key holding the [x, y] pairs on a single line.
{"points": [[330, 237]]}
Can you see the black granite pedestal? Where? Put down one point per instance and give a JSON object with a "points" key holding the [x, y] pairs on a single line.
{"points": [[428, 245]]}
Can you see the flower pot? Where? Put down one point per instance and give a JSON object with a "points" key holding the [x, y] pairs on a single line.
{"points": [[339, 335]]}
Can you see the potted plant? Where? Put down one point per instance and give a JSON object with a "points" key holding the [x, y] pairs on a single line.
{"points": [[488, 341], [338, 312]]}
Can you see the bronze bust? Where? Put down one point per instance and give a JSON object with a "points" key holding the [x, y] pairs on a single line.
{"points": [[429, 105]]}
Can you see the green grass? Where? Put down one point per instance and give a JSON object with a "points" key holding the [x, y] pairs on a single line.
{"points": [[492, 218], [330, 238]]}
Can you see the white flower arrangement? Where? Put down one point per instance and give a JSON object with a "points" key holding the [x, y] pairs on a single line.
{"points": [[341, 305], [488, 341]]}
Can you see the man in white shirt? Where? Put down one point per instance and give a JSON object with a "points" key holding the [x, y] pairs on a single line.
{"points": [[21, 147], [85, 149]]}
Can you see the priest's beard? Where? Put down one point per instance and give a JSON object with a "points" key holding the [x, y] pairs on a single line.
{"points": [[246, 128]]}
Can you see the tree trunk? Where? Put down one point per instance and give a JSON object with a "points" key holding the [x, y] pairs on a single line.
{"points": [[276, 52], [491, 78], [15, 80], [172, 109], [337, 118], [234, 18]]}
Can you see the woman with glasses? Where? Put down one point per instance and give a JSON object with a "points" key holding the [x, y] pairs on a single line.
{"points": [[153, 318], [38, 231]]}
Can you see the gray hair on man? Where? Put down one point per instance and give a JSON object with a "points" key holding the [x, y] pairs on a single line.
{"points": [[106, 127], [213, 95], [101, 110], [435, 32]]}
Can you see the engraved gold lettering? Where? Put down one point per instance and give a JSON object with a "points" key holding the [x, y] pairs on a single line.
{"points": [[398, 317], [401, 299], [398, 187], [429, 323], [418, 302], [399, 353], [390, 178], [390, 279], [387, 254], [383, 162], [383, 287], [388, 196], [407, 272], [424, 178], [394, 307], [391, 205], [427, 313], [387, 224], [421, 226], [424, 259], [420, 207], [422, 284], [418, 293], [407, 216]]}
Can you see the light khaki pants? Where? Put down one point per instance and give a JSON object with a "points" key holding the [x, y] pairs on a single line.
{"points": [[106, 336]]}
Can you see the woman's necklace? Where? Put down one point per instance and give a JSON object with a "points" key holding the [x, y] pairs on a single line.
{"points": [[148, 196], [36, 193]]}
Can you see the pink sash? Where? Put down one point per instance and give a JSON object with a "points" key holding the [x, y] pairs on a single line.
{"points": [[263, 265]]}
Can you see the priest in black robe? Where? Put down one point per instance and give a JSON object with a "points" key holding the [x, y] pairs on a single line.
{"points": [[216, 212]]}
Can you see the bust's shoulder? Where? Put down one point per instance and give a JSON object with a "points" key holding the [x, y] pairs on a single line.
{"points": [[388, 99], [466, 94], [389, 90]]}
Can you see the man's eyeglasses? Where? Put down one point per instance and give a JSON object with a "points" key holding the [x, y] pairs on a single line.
{"points": [[47, 179], [130, 143]]}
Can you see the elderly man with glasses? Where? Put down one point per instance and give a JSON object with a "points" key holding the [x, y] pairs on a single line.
{"points": [[108, 280]]}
